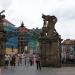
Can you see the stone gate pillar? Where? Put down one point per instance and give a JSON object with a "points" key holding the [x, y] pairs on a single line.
{"points": [[2, 39], [50, 43]]}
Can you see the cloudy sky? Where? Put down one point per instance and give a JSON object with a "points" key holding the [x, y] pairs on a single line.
{"points": [[30, 12]]}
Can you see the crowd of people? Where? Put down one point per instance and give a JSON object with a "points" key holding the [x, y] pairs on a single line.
{"points": [[22, 59]]}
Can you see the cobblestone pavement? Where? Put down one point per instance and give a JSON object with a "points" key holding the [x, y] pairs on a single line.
{"points": [[31, 70]]}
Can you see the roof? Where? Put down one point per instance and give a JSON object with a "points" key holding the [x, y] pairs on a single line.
{"points": [[5, 20], [68, 42], [22, 28]]}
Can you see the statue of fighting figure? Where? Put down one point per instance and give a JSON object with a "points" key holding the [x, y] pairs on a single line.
{"points": [[48, 25]]}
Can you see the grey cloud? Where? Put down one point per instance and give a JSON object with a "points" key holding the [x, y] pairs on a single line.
{"points": [[5, 3], [67, 14]]}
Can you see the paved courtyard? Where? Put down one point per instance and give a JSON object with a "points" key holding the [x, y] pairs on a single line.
{"points": [[31, 70]]}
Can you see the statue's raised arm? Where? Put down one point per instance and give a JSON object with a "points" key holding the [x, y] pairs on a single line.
{"points": [[2, 16], [2, 12]]}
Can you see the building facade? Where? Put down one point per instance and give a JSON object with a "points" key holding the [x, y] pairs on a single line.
{"points": [[22, 43], [20, 39], [68, 51], [11, 37]]}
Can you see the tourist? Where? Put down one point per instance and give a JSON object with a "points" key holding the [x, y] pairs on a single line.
{"points": [[13, 61], [6, 60], [38, 63], [31, 61], [25, 59]]}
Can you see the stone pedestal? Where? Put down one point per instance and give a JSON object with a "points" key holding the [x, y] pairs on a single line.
{"points": [[2, 43], [50, 52]]}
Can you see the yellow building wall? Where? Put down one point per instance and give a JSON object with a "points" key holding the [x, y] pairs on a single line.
{"points": [[9, 51]]}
